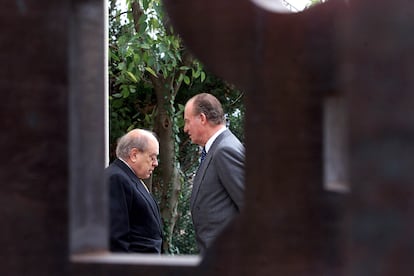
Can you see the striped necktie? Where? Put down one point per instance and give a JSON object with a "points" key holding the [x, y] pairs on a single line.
{"points": [[203, 155]]}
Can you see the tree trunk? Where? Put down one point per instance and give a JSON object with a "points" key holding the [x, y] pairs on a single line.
{"points": [[167, 184]]}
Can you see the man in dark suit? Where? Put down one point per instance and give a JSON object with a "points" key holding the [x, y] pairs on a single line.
{"points": [[218, 187], [135, 221]]}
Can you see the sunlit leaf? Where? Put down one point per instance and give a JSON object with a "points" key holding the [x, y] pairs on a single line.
{"points": [[186, 80], [148, 69], [196, 74], [132, 77]]}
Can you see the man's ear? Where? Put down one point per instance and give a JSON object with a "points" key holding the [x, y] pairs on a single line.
{"points": [[203, 118], [133, 154]]}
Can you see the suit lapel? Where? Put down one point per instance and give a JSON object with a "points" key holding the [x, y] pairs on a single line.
{"points": [[198, 179], [141, 189], [149, 198]]}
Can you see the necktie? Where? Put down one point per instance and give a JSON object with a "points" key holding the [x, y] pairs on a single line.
{"points": [[203, 155]]}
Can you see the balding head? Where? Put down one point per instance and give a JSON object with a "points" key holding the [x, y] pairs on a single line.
{"points": [[136, 138], [139, 149], [203, 117]]}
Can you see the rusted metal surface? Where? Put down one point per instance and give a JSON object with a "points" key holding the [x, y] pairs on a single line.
{"points": [[377, 72], [288, 64]]}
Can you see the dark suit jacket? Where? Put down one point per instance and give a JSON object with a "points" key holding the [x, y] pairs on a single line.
{"points": [[134, 214], [218, 188]]}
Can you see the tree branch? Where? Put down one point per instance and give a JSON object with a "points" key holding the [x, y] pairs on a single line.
{"points": [[136, 14]]}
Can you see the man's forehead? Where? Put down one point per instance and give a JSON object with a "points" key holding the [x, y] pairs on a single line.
{"points": [[153, 148], [187, 110]]}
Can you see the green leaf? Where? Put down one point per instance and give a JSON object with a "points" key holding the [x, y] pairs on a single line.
{"points": [[150, 61], [125, 92], [186, 80], [121, 66], [180, 78], [151, 71], [203, 76], [132, 77], [196, 74], [114, 56], [117, 103], [145, 46], [148, 119], [145, 4], [131, 127]]}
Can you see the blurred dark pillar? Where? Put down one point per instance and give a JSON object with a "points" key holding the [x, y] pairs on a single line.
{"points": [[287, 64], [378, 76], [34, 138]]}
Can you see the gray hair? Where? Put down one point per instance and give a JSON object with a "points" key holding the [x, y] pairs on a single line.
{"points": [[136, 138], [210, 106]]}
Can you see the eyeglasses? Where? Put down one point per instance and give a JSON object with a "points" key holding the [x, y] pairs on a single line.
{"points": [[153, 157]]}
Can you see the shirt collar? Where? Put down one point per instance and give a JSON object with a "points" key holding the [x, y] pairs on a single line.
{"points": [[140, 180], [126, 164], [213, 138]]}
